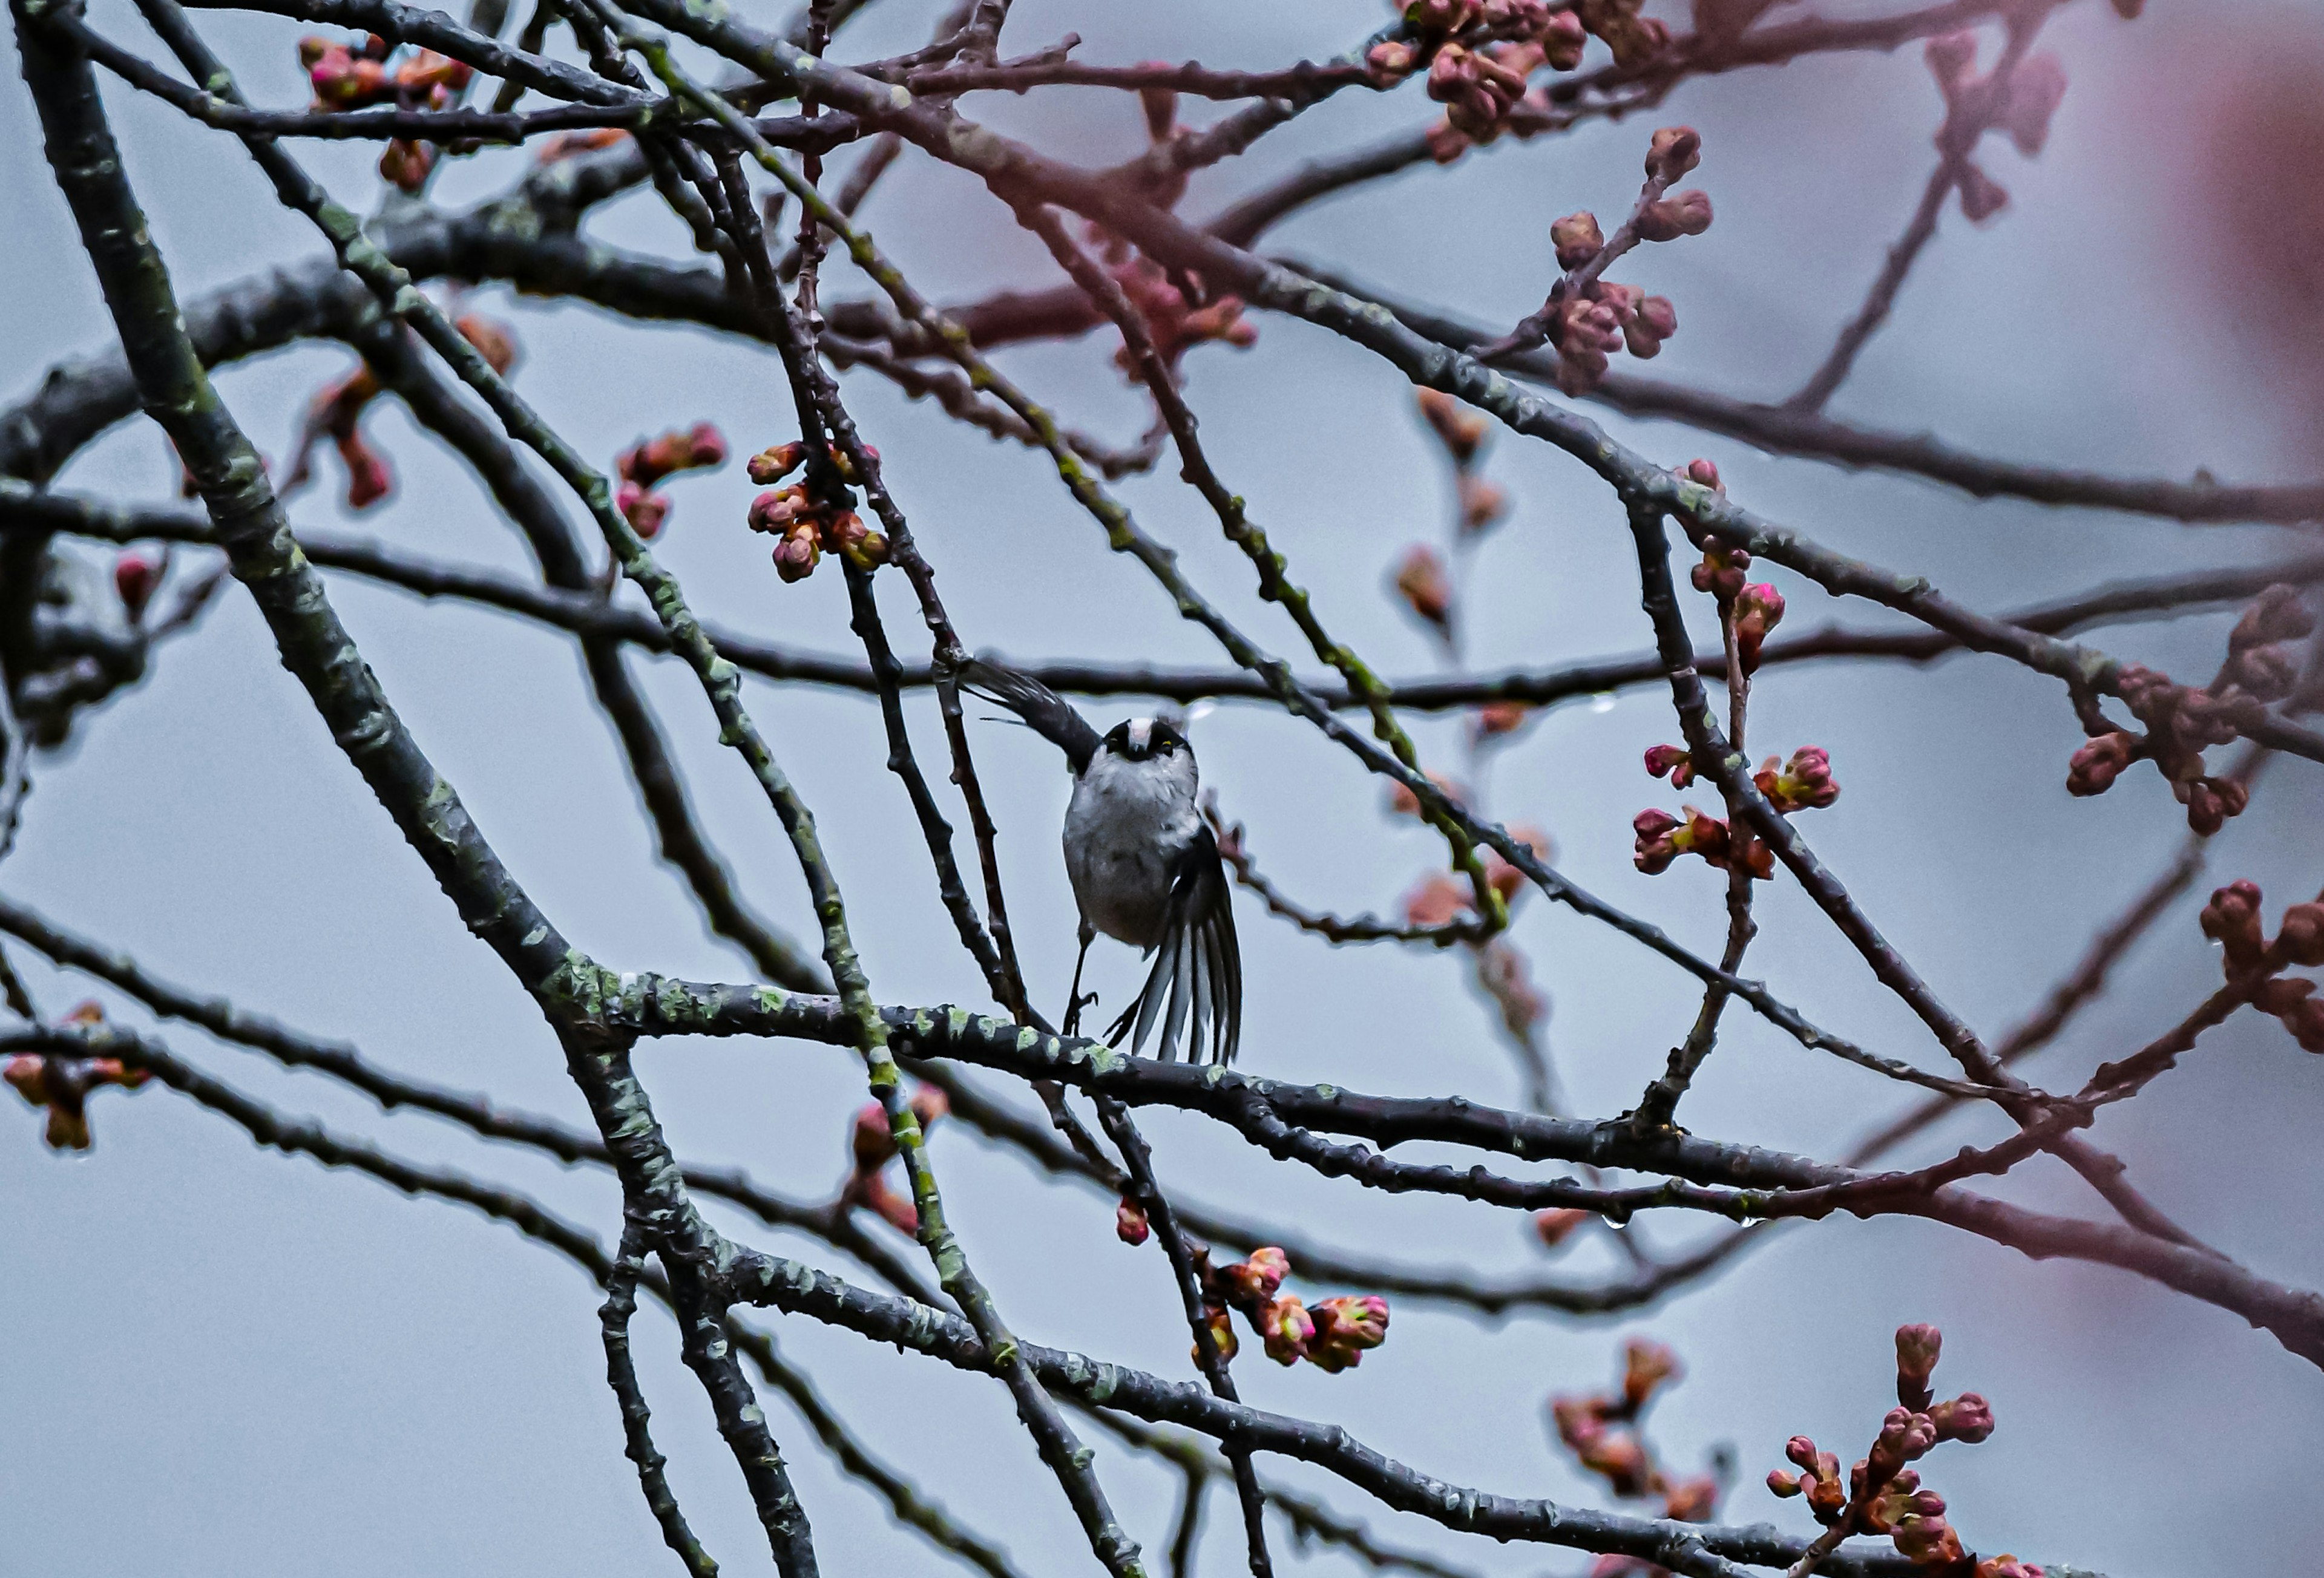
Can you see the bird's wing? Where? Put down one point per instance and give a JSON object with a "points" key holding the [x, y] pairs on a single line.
{"points": [[1196, 981], [1048, 713]]}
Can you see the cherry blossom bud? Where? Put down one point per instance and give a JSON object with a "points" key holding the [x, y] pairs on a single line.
{"points": [[1446, 141], [1906, 1435], [2211, 802], [1653, 321], [1981, 196], [1668, 218], [797, 555], [1758, 609], [2266, 673], [1404, 803], [1621, 1457], [27, 1076], [1968, 1417], [1285, 1328], [1577, 239], [1495, 719], [1483, 503], [406, 163], [493, 340], [1656, 849], [1425, 588], [1674, 151], [2277, 614], [869, 1138], [1343, 1329], [1705, 472], [1460, 431], [1561, 40], [2005, 1566], [1720, 573], [643, 510], [1695, 1500], [1439, 16], [368, 479], [1249, 1283], [900, 1212], [1514, 18], [2306, 1023], [2232, 921], [1782, 1484], [1917, 1347], [2035, 90], [1222, 1332], [134, 577], [2300, 937], [1930, 1541], [1391, 61], [1130, 1221], [1672, 762], [1555, 1227], [1437, 901], [1645, 1366], [2281, 995], [769, 466], [928, 1102], [2098, 763], [1802, 1450], [1803, 783]]}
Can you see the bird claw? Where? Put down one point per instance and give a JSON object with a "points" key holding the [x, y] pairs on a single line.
{"points": [[1073, 1012]]}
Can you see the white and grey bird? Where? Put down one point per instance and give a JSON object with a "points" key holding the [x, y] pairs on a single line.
{"points": [[1145, 867]]}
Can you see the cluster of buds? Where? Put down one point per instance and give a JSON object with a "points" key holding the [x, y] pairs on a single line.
{"points": [[2020, 103], [135, 579], [1589, 321], [61, 1084], [2232, 920], [1882, 1495], [1331, 1335], [1517, 36], [337, 414], [1755, 608], [646, 462], [350, 77], [1803, 783], [1175, 322], [2182, 723], [1633, 37], [1439, 899], [1662, 838], [1601, 1429], [1479, 504], [871, 1145], [810, 520]]}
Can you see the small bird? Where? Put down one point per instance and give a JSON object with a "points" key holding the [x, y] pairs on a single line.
{"points": [[1145, 869]]}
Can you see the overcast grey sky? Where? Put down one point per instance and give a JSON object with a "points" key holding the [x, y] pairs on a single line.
{"points": [[216, 1360]]}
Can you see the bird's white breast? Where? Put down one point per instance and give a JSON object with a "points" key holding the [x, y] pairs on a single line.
{"points": [[1125, 828]]}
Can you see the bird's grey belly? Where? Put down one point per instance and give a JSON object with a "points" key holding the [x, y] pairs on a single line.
{"points": [[1118, 848]]}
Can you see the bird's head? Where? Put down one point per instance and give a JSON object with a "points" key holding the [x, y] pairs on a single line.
{"points": [[1141, 739]]}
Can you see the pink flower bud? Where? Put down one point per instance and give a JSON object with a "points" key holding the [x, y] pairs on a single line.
{"points": [[1577, 239], [1917, 1348], [1437, 901], [1646, 1366], [2281, 995], [769, 466], [406, 163], [1968, 1417], [1460, 431], [1757, 611], [2232, 920], [2035, 90], [1687, 214], [1656, 849], [797, 555], [1672, 762], [1563, 40], [1129, 1223], [2098, 763], [1425, 588], [2300, 937], [2211, 802], [1343, 1329], [495, 342], [1803, 783], [643, 510], [368, 479], [1483, 503], [1782, 1484], [1555, 1226], [1439, 16], [1391, 63], [27, 1076], [1284, 1329], [134, 577], [1674, 151]]}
